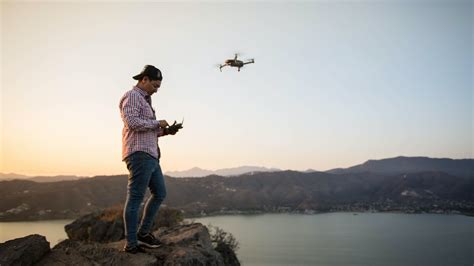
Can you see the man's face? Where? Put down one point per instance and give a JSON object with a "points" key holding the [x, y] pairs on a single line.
{"points": [[151, 86]]}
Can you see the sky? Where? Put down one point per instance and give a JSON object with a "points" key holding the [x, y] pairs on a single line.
{"points": [[335, 83]]}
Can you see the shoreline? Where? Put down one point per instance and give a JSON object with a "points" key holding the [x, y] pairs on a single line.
{"points": [[250, 213], [217, 214]]}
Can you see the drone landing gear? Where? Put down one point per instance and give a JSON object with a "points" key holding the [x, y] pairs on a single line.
{"points": [[238, 69]]}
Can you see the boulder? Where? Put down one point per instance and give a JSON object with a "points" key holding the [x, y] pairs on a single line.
{"points": [[192, 234], [23, 251]]}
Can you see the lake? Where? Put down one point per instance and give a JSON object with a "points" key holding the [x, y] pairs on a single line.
{"points": [[53, 230], [326, 239]]}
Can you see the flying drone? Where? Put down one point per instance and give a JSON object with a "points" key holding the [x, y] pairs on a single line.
{"points": [[235, 63]]}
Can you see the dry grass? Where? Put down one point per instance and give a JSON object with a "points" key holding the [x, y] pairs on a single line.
{"points": [[111, 214]]}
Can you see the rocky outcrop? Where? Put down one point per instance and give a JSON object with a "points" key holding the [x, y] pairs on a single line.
{"points": [[92, 228], [107, 225], [70, 252], [24, 251], [98, 239], [182, 245]]}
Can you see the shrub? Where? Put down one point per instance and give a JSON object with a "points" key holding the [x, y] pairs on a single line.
{"points": [[111, 214], [221, 238], [168, 217]]}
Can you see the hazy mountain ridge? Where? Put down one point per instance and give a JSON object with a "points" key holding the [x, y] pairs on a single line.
{"points": [[388, 166], [261, 191], [198, 172], [11, 176], [22, 199], [402, 164], [40, 179]]}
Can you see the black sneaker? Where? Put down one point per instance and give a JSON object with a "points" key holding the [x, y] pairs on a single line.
{"points": [[133, 250], [148, 240]]}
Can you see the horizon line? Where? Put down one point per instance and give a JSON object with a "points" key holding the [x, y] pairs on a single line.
{"points": [[25, 176]]}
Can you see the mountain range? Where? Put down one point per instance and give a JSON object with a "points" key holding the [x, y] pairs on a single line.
{"points": [[198, 172], [256, 191], [12, 176], [401, 164], [392, 166], [396, 165]]}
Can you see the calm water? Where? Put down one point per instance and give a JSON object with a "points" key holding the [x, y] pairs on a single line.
{"points": [[347, 239], [326, 239], [53, 230]]}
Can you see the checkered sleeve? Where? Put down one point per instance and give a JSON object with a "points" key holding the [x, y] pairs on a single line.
{"points": [[161, 132], [131, 116]]}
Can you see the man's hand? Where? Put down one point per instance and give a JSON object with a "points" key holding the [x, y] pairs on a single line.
{"points": [[163, 123], [174, 128]]}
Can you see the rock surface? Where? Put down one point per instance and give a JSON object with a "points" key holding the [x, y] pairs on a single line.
{"points": [[183, 245], [70, 252], [24, 251], [107, 225], [188, 244], [91, 228], [98, 239]]}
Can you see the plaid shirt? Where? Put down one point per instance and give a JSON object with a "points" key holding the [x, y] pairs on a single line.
{"points": [[140, 128]]}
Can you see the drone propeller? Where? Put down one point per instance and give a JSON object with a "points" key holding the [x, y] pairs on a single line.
{"points": [[249, 61], [219, 66], [238, 54]]}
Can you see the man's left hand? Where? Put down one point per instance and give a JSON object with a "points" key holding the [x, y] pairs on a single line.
{"points": [[174, 128]]}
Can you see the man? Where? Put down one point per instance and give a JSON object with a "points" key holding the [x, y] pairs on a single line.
{"points": [[141, 153]]}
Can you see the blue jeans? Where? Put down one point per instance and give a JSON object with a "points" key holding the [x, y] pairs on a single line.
{"points": [[145, 171]]}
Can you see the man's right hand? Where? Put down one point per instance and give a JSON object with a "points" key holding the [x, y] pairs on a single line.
{"points": [[163, 123]]}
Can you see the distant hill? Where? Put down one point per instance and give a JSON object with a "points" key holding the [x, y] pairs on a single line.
{"points": [[198, 172], [401, 165], [390, 166], [12, 176], [55, 178], [262, 191], [401, 183]]}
